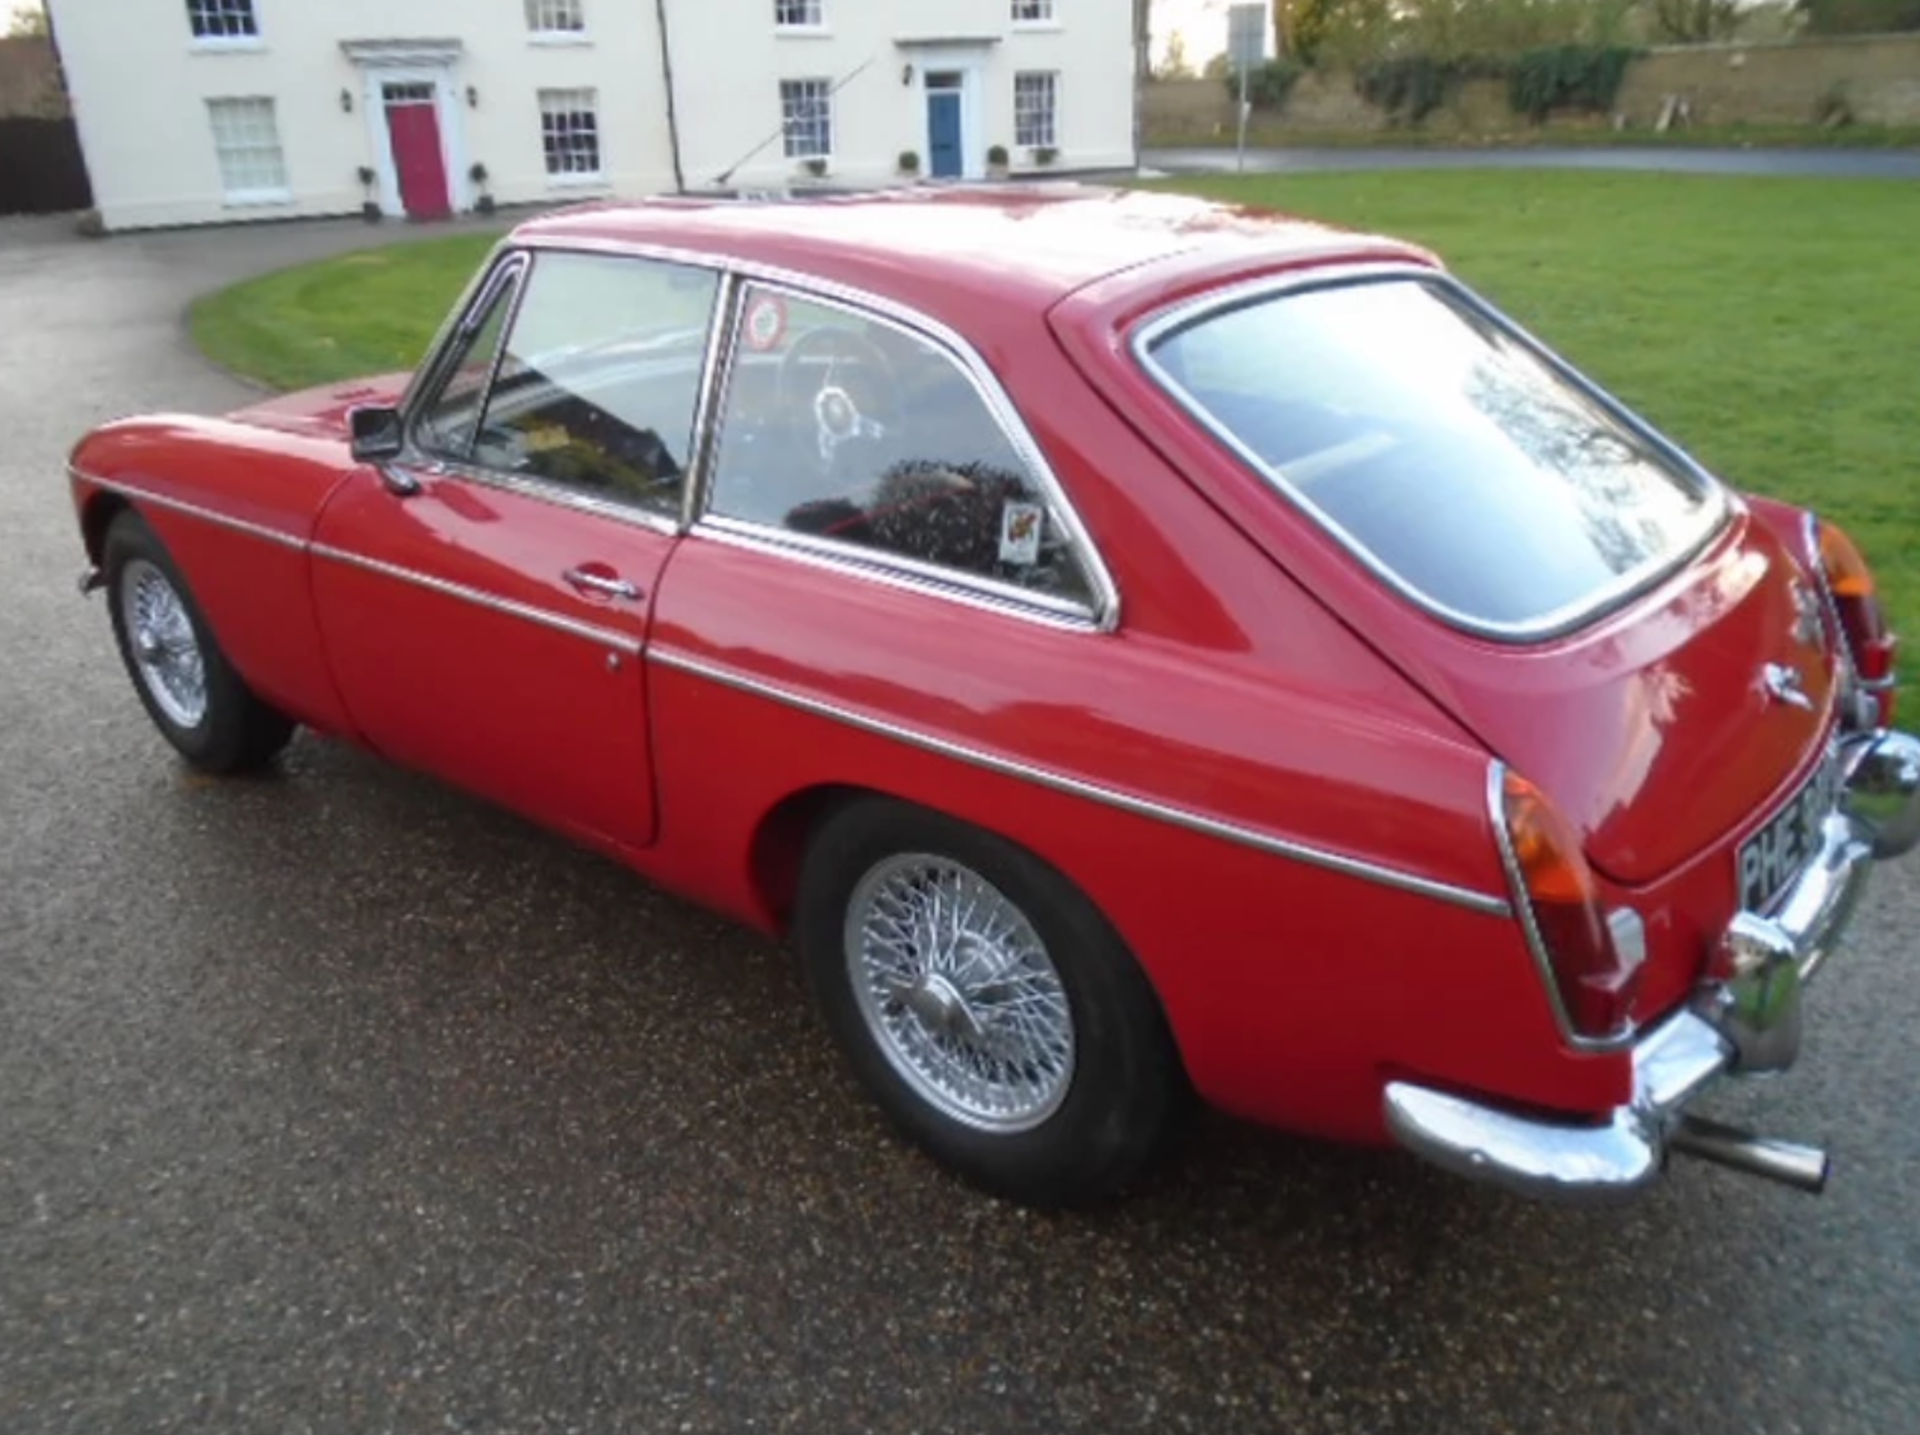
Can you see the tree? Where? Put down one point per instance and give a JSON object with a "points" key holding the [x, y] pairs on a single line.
{"points": [[1858, 17], [29, 23], [1174, 65], [1689, 21]]}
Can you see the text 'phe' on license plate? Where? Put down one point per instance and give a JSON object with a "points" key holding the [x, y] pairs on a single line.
{"points": [[1773, 856]]}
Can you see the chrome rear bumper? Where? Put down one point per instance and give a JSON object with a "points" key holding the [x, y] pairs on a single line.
{"points": [[1745, 1018]]}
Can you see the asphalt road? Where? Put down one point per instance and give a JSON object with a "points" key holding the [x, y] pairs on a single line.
{"points": [[1833, 163], [336, 1102]]}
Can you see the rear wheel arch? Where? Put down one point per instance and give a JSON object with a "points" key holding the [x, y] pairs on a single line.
{"points": [[1128, 1078]]}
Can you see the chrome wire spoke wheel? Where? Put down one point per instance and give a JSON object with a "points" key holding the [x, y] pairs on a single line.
{"points": [[166, 650], [957, 990]]}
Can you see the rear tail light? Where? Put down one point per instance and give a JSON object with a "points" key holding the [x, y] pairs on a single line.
{"points": [[1594, 978], [1863, 622]]}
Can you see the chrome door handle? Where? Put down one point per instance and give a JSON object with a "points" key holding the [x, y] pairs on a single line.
{"points": [[594, 583]]}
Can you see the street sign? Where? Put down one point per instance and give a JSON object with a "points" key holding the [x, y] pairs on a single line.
{"points": [[1247, 36]]}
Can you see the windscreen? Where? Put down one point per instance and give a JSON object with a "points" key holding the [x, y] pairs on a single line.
{"points": [[1435, 442]]}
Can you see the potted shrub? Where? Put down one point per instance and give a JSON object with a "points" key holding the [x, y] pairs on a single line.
{"points": [[996, 161], [815, 166], [909, 163], [483, 202], [369, 207], [1044, 155]]}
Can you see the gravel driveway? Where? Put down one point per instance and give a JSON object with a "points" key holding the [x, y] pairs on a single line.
{"points": [[336, 1102]]}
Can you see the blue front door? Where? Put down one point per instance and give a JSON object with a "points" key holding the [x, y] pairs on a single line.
{"points": [[943, 134]]}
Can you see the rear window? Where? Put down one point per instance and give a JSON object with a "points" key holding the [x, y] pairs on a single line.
{"points": [[1439, 445]]}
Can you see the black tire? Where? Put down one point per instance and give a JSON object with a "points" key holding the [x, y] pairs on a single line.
{"points": [[235, 731], [1126, 1084]]}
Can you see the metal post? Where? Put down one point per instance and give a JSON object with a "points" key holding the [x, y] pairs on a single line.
{"points": [[1240, 159]]}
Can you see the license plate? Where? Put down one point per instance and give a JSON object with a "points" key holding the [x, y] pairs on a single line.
{"points": [[1772, 857]]}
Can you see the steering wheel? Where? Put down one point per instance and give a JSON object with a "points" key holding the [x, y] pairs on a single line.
{"points": [[838, 418]]}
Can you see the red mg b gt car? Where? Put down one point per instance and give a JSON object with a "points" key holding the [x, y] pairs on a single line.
{"points": [[1133, 647]]}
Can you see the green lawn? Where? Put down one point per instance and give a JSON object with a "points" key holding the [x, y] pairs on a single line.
{"points": [[363, 313], [1771, 326], [1273, 132]]}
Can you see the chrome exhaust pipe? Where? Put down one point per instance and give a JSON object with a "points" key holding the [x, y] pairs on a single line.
{"points": [[1805, 1168]]}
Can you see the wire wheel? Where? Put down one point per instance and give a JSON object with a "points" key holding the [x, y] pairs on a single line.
{"points": [[958, 992], [166, 650]]}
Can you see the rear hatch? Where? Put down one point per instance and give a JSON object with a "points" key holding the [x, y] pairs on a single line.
{"points": [[1662, 729], [1604, 616]]}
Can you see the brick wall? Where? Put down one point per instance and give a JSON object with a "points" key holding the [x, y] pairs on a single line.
{"points": [[1781, 83], [30, 80]]}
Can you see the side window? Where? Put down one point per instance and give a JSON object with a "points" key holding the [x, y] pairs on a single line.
{"points": [[450, 423], [597, 383], [851, 429]]}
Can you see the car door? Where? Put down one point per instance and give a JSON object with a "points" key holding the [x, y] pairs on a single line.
{"points": [[485, 598]]}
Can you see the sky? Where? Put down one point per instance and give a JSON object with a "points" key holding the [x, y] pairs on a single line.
{"points": [[1202, 22]]}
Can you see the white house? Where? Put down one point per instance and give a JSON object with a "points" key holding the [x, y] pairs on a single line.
{"points": [[211, 111]]}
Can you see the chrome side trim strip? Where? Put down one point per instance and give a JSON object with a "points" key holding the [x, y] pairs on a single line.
{"points": [[606, 637], [896, 572], [194, 510], [1060, 782]]}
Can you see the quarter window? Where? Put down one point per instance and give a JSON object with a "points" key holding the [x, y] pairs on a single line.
{"points": [[246, 142], [570, 133], [1032, 12], [806, 118], [1033, 100], [799, 14], [856, 433], [222, 19], [556, 17], [595, 387], [449, 425]]}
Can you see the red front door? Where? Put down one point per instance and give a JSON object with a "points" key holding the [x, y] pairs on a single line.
{"points": [[414, 125]]}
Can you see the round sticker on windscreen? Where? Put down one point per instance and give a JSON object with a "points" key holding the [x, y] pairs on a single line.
{"points": [[766, 323]]}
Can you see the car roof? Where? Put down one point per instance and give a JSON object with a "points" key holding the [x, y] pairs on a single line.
{"points": [[946, 248]]}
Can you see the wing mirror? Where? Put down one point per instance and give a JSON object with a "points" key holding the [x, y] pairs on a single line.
{"points": [[377, 432]]}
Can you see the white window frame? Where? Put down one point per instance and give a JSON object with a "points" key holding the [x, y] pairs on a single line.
{"points": [[812, 17], [789, 104], [573, 101], [1035, 14], [548, 22], [1023, 138], [225, 145], [199, 10]]}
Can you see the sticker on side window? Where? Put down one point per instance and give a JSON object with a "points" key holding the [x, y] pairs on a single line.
{"points": [[1020, 533], [766, 323]]}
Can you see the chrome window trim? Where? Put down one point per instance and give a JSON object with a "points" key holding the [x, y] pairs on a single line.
{"points": [[1474, 901], [895, 571], [556, 494], [194, 510], [1106, 609], [1521, 904], [504, 264], [560, 623], [515, 268], [711, 397], [1558, 622]]}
